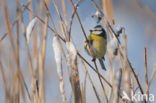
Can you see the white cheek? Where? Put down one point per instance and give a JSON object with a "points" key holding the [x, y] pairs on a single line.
{"points": [[96, 32], [99, 29]]}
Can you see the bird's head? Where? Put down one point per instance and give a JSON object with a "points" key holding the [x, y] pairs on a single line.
{"points": [[98, 30]]}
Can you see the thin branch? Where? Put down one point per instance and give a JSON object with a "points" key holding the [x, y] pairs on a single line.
{"points": [[56, 33], [118, 89], [153, 74], [5, 34], [146, 76], [89, 77], [5, 84], [29, 59], [101, 83], [78, 19], [61, 19], [72, 17]]}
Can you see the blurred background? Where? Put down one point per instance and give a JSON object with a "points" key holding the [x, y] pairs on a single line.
{"points": [[138, 17]]}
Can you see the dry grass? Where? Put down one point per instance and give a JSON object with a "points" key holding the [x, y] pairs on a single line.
{"points": [[18, 91]]}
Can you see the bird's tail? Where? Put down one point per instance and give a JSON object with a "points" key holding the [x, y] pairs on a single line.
{"points": [[102, 64]]}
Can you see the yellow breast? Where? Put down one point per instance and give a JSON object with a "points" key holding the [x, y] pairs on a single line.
{"points": [[99, 44]]}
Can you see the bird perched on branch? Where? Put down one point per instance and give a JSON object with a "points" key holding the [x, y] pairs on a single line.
{"points": [[96, 44]]}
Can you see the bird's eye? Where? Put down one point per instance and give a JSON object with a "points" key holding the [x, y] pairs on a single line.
{"points": [[91, 30]]}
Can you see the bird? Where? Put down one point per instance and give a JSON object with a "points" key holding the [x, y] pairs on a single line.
{"points": [[97, 43]]}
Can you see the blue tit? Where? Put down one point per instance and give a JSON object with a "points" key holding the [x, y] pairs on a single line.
{"points": [[98, 44]]}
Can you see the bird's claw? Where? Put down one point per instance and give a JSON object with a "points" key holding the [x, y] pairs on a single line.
{"points": [[103, 58], [93, 59]]}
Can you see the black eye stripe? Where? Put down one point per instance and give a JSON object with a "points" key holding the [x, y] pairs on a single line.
{"points": [[95, 30], [98, 30]]}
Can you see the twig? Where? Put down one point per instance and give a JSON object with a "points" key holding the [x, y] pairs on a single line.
{"points": [[84, 87], [72, 17], [5, 34], [64, 11], [4, 84], [82, 93], [153, 74], [10, 33], [101, 83], [44, 22], [62, 21], [42, 63], [29, 60], [74, 79], [107, 6], [94, 69], [55, 32], [126, 68], [118, 90], [18, 50], [78, 19], [146, 76], [95, 91]]}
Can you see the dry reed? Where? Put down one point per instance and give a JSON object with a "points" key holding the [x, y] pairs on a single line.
{"points": [[127, 79]]}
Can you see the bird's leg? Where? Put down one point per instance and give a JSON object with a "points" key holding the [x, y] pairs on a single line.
{"points": [[115, 52], [87, 41], [93, 59], [103, 58]]}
